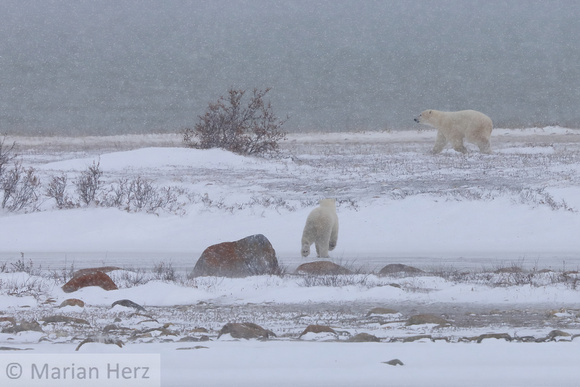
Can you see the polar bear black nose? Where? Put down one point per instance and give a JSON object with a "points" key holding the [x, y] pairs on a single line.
{"points": [[416, 120]]}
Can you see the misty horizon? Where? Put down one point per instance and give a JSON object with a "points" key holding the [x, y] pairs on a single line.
{"points": [[85, 67]]}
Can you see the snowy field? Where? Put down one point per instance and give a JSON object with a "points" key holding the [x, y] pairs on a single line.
{"points": [[496, 237]]}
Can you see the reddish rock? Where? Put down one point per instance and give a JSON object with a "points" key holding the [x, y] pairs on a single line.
{"points": [[398, 268], [91, 270], [246, 331], [97, 278], [364, 338], [322, 268], [72, 302], [317, 329], [253, 255], [8, 319], [427, 319]]}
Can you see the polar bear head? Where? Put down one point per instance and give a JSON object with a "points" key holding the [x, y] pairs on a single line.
{"points": [[425, 117]]}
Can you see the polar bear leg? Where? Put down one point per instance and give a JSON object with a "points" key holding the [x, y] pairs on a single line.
{"points": [[484, 145], [333, 237], [322, 244], [305, 249], [458, 145], [439, 143]]}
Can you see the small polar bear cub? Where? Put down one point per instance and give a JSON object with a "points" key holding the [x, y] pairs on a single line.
{"points": [[321, 229], [453, 127]]}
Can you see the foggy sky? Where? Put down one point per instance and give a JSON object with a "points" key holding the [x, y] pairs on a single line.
{"points": [[136, 66]]}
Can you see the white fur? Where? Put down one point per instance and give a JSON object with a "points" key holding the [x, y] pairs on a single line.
{"points": [[453, 127], [321, 229]]}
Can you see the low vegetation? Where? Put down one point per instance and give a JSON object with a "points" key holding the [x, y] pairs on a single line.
{"points": [[246, 129]]}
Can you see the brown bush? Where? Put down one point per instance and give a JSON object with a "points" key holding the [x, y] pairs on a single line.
{"points": [[246, 130]]}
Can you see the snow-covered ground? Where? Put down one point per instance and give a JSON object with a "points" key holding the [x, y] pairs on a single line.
{"points": [[496, 236]]}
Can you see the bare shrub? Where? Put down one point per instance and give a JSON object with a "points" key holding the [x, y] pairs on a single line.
{"points": [[21, 266], [118, 195], [228, 124], [24, 286], [271, 202], [143, 194], [19, 186], [6, 155], [539, 196], [57, 190], [131, 277], [335, 280], [164, 271], [140, 194], [89, 183], [63, 275]]}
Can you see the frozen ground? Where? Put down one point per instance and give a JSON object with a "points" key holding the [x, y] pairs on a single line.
{"points": [[496, 236]]}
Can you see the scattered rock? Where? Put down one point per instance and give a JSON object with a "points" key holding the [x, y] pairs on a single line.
{"points": [[427, 319], [72, 302], [322, 268], [92, 270], [11, 320], [23, 326], [190, 348], [128, 304], [364, 338], [14, 349], [103, 340], [410, 339], [97, 278], [553, 335], [398, 268], [318, 329], [245, 331], [188, 339], [64, 319], [498, 336], [253, 255], [394, 362], [116, 328], [381, 311]]}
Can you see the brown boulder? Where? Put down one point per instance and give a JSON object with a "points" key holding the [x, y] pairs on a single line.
{"points": [[72, 302], [253, 255], [381, 311], [322, 268], [245, 331], [59, 318], [97, 278], [394, 362], [23, 326], [398, 268], [318, 329], [364, 338], [427, 319], [91, 270]]}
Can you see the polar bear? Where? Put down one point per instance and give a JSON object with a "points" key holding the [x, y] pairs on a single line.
{"points": [[321, 229], [453, 127]]}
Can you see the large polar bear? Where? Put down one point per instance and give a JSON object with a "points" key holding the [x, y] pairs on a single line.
{"points": [[321, 229], [453, 127]]}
